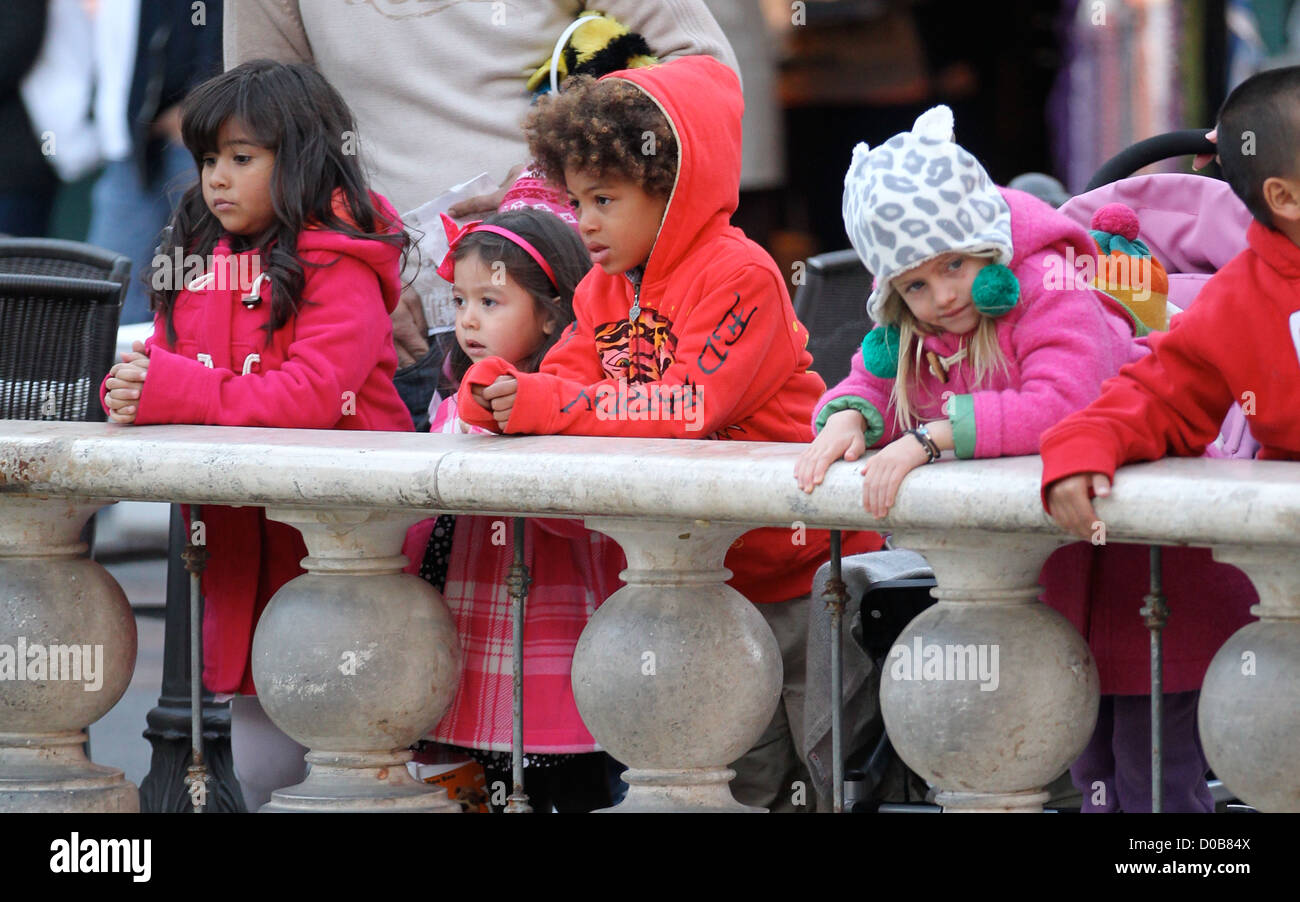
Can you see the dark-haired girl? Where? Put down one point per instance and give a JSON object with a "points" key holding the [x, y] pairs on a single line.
{"points": [[271, 294], [513, 278]]}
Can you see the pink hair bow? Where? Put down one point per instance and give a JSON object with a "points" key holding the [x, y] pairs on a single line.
{"points": [[447, 268]]}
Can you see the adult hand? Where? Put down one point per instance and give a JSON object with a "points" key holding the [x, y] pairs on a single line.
{"points": [[1070, 504], [841, 437], [501, 395], [1203, 159], [884, 473], [409, 328], [485, 203]]}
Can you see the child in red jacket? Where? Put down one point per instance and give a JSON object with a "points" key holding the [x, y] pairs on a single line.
{"points": [[282, 320], [1240, 341], [684, 329]]}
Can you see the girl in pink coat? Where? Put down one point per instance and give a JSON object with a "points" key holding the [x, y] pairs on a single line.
{"points": [[984, 335], [271, 291], [987, 334]]}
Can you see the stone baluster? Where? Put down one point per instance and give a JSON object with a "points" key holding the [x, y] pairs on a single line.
{"points": [[677, 674], [355, 660], [988, 694], [67, 652], [1249, 712]]}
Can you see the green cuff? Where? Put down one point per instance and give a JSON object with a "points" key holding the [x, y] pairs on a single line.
{"points": [[961, 414], [875, 422]]}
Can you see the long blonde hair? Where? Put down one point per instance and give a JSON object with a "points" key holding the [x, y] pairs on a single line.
{"points": [[983, 353]]}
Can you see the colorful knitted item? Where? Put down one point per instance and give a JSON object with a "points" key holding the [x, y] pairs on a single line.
{"points": [[531, 191], [1127, 271]]}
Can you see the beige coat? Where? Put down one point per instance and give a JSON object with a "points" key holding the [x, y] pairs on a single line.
{"points": [[437, 86]]}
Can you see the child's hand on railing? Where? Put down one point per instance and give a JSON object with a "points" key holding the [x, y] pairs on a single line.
{"points": [[884, 473], [843, 437], [1070, 502]]}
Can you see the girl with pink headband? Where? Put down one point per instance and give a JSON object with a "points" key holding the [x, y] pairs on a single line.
{"points": [[514, 275]]}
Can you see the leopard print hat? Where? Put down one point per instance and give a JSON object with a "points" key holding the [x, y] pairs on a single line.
{"points": [[917, 196]]}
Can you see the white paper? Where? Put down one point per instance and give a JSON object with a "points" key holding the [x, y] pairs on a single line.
{"points": [[435, 293]]}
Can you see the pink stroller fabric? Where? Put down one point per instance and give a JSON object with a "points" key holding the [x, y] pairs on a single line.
{"points": [[1194, 225]]}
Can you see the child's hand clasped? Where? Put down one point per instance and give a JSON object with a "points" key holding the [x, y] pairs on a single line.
{"points": [[1070, 502], [841, 438], [125, 382], [499, 397]]}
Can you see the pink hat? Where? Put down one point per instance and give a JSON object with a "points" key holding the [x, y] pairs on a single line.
{"points": [[532, 191]]}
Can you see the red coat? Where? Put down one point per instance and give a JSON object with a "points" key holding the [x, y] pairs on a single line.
{"points": [[330, 367], [715, 325], [1100, 589], [1240, 341]]}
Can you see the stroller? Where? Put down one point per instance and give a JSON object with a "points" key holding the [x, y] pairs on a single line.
{"points": [[1194, 225]]}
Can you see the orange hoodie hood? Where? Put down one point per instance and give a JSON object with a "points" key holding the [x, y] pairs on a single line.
{"points": [[701, 99]]}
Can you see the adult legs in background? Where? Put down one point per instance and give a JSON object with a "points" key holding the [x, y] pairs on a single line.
{"points": [[127, 216], [771, 774], [25, 213], [417, 382], [265, 759]]}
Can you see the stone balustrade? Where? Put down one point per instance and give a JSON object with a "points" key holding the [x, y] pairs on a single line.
{"points": [[674, 507]]}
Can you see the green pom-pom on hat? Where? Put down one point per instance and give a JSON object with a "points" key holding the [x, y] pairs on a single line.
{"points": [[995, 290], [880, 351]]}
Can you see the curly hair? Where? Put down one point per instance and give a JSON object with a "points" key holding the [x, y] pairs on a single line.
{"points": [[609, 126]]}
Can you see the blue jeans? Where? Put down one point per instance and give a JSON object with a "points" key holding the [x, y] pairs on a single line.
{"points": [[127, 216]]}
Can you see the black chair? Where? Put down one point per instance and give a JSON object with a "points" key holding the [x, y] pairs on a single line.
{"points": [[832, 303], [67, 259], [57, 341]]}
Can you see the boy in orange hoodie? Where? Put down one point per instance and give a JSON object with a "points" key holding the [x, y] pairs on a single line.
{"points": [[684, 330]]}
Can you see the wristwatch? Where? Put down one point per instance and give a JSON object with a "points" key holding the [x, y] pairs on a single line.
{"points": [[922, 435]]}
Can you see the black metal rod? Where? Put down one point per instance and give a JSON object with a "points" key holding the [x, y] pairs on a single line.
{"points": [[835, 596], [196, 558], [1156, 614]]}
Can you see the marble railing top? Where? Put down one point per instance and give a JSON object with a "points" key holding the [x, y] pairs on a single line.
{"points": [[1197, 502]]}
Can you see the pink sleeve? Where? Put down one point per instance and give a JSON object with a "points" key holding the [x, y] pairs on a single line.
{"points": [[866, 393]]}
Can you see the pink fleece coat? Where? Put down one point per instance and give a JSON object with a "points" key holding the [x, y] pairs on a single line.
{"points": [[1060, 342], [330, 367]]}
